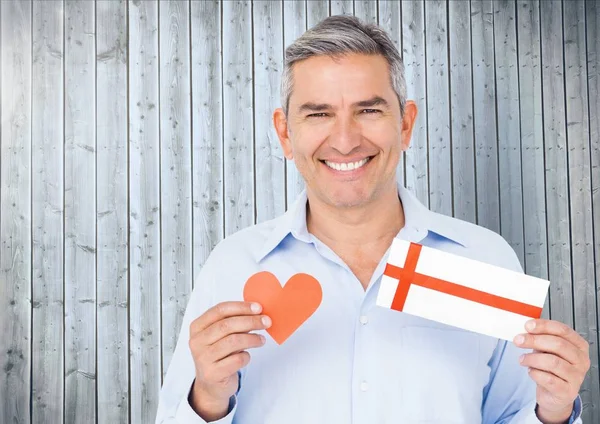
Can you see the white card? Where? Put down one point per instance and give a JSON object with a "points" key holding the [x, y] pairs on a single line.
{"points": [[459, 291]]}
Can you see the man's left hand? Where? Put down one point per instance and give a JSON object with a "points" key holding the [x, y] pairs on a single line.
{"points": [[558, 364]]}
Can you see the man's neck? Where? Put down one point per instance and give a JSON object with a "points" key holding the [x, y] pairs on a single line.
{"points": [[379, 221]]}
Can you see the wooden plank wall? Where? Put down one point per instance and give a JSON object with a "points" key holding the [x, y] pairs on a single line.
{"points": [[123, 124], [113, 330]]}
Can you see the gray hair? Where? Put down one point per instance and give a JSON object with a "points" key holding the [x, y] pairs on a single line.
{"points": [[338, 35]]}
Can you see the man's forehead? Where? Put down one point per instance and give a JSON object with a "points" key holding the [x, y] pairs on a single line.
{"points": [[319, 70], [358, 81]]}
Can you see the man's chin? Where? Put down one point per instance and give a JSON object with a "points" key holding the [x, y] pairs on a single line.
{"points": [[346, 201], [344, 197]]}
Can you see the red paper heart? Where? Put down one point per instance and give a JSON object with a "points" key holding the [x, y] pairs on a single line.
{"points": [[288, 306]]}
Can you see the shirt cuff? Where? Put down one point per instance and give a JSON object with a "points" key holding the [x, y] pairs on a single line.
{"points": [[576, 414], [527, 415], [575, 417], [185, 413]]}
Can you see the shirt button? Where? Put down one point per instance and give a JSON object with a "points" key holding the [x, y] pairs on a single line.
{"points": [[364, 319], [364, 386]]}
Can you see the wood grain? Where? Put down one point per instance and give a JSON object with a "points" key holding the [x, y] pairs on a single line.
{"points": [[47, 147], [15, 211], [509, 125], [144, 211], [316, 11], [295, 21], [366, 10], [413, 52], [580, 197], [592, 16], [461, 107], [390, 19], [438, 105], [268, 64], [532, 142], [484, 105], [556, 165], [207, 130], [113, 373], [238, 118], [175, 170], [341, 7], [80, 212]]}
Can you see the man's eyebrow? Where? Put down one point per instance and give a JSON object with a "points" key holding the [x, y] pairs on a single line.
{"points": [[313, 107], [375, 101], [319, 107]]}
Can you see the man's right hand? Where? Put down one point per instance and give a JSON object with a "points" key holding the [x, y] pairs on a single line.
{"points": [[218, 342]]}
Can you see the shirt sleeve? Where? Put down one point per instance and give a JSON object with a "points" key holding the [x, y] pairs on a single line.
{"points": [[185, 413], [509, 397], [173, 405]]}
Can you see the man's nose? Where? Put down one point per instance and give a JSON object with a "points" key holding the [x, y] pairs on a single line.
{"points": [[345, 135]]}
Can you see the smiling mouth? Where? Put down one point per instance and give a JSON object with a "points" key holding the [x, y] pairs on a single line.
{"points": [[347, 166]]}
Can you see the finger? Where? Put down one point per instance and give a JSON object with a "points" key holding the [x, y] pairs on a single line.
{"points": [[232, 363], [556, 328], [558, 387], [239, 324], [550, 344], [234, 343], [225, 368], [223, 310], [550, 363]]}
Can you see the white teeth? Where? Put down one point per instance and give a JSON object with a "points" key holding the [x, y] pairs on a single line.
{"points": [[350, 166]]}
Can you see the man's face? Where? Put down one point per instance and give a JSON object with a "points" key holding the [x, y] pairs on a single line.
{"points": [[344, 128]]}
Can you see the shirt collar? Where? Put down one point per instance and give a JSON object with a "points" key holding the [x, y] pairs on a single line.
{"points": [[422, 220], [417, 218]]}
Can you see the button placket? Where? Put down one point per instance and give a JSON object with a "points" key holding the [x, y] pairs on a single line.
{"points": [[364, 402]]}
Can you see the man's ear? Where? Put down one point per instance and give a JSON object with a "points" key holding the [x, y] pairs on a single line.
{"points": [[281, 127], [408, 122]]}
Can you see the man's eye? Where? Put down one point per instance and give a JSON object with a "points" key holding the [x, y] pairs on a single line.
{"points": [[316, 115], [372, 111]]}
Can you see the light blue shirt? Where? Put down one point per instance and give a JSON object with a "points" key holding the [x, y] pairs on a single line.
{"points": [[353, 362]]}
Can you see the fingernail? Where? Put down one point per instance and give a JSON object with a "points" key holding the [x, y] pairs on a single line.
{"points": [[521, 358], [262, 339], [266, 321], [519, 339], [530, 325], [255, 307]]}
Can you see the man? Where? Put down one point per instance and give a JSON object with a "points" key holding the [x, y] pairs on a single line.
{"points": [[345, 122]]}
